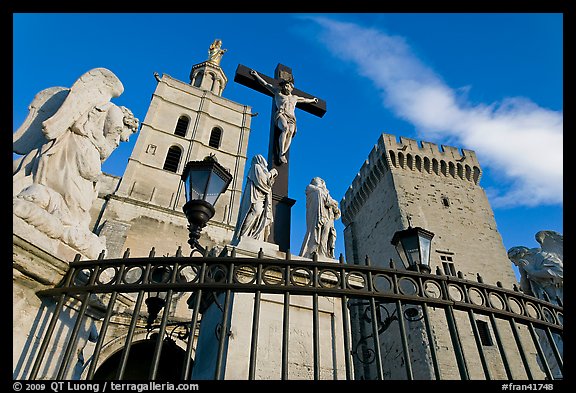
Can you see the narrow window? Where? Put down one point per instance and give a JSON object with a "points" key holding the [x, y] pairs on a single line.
{"points": [[447, 262], [435, 166], [484, 332], [172, 159], [392, 158], [409, 161], [427, 164], [449, 269], [476, 175], [182, 126], [452, 169], [445, 201], [215, 137], [198, 79], [443, 168], [460, 170], [468, 173], [419, 163], [401, 160]]}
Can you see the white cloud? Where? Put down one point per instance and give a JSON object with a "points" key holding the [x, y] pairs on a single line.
{"points": [[515, 138]]}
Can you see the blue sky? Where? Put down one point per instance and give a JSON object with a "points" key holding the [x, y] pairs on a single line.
{"points": [[488, 82]]}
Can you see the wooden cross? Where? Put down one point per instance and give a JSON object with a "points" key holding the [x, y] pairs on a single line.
{"points": [[280, 231]]}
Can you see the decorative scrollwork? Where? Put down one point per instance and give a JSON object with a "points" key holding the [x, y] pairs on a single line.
{"points": [[384, 319], [363, 350], [174, 330]]}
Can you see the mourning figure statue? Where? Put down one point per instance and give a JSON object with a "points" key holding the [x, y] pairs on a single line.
{"points": [[255, 214], [321, 211]]}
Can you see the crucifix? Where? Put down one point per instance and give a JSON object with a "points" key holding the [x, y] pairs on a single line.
{"points": [[282, 129]]}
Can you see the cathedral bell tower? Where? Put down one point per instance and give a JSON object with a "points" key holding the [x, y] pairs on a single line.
{"points": [[185, 122], [208, 75]]}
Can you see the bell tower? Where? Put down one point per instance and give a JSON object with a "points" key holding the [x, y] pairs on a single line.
{"points": [[185, 122], [208, 76]]}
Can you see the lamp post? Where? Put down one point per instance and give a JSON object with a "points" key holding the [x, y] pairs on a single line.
{"points": [[413, 246], [205, 181], [156, 300]]}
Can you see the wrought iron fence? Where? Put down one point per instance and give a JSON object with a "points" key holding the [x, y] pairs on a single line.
{"points": [[386, 323]]}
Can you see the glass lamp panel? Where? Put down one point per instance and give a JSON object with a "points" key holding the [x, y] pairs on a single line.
{"points": [[414, 255], [402, 253], [216, 186], [196, 183], [410, 245], [425, 249]]}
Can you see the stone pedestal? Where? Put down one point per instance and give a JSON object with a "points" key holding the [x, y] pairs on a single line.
{"points": [[41, 241], [236, 358], [248, 247], [35, 269]]}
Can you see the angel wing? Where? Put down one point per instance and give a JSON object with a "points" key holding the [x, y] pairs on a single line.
{"points": [[551, 242], [45, 104], [95, 87]]}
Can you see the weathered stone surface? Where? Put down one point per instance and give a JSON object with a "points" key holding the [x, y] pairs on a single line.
{"points": [[269, 346], [64, 140], [438, 189]]}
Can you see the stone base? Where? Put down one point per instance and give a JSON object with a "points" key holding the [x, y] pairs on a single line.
{"points": [[54, 247], [268, 362], [249, 247], [36, 267], [320, 259]]}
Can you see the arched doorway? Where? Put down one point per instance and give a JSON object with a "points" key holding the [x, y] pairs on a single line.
{"points": [[139, 362]]}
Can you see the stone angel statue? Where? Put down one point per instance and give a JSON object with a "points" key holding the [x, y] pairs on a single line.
{"points": [[541, 269], [67, 135], [542, 276]]}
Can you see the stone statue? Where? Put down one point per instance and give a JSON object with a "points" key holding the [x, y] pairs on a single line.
{"points": [[542, 276], [321, 211], [67, 135], [216, 52], [284, 117], [255, 215], [541, 269]]}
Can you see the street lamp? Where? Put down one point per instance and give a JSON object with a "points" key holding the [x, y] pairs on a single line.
{"points": [[205, 181], [156, 300], [413, 246]]}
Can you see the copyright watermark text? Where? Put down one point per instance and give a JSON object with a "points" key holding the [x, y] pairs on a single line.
{"points": [[527, 386], [101, 387]]}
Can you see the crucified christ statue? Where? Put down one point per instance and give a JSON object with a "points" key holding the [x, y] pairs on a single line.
{"points": [[284, 118]]}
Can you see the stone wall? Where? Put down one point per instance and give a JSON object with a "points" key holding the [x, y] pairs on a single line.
{"points": [[437, 188]]}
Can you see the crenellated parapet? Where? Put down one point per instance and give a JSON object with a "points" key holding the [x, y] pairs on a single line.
{"points": [[370, 174], [406, 154], [427, 157]]}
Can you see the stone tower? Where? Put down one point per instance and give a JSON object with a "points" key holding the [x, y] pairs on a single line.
{"points": [[185, 122], [437, 188]]}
